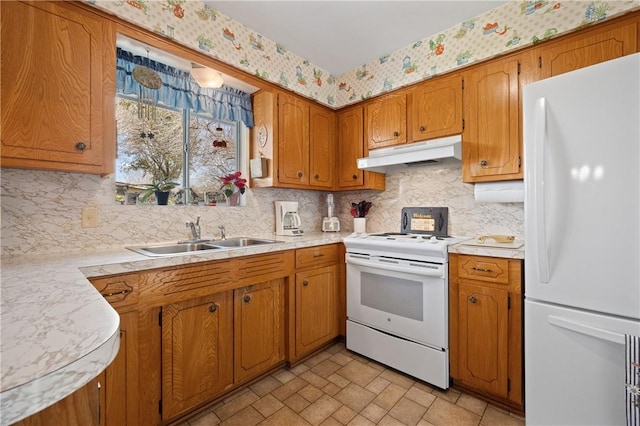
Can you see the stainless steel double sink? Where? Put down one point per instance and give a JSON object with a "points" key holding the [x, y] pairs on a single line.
{"points": [[199, 246]]}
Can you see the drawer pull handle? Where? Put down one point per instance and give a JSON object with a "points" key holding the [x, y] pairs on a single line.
{"points": [[484, 163], [305, 283], [355, 176], [318, 255], [213, 308], [81, 146], [482, 270], [116, 293], [300, 174], [472, 299], [246, 298], [422, 128], [396, 134]]}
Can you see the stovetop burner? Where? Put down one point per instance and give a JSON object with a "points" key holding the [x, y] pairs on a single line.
{"points": [[406, 235]]}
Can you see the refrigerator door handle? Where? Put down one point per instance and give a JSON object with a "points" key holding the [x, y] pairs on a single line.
{"points": [[540, 241], [587, 330]]}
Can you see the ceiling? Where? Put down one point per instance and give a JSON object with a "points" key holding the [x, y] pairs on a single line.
{"points": [[339, 36]]}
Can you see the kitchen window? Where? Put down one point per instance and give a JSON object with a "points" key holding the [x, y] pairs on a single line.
{"points": [[193, 150]]}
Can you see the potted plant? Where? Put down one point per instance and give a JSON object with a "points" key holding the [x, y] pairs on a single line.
{"points": [[161, 189]]}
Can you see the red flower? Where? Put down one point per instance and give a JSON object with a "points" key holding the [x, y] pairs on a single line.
{"points": [[232, 181]]}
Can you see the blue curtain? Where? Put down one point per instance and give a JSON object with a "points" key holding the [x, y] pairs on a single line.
{"points": [[179, 90]]}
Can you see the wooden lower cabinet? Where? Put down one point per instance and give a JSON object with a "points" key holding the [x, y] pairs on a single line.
{"points": [[121, 407], [485, 327], [84, 407], [259, 328], [316, 309], [197, 352]]}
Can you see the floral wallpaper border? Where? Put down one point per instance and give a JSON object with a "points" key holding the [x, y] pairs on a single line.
{"points": [[197, 24]]}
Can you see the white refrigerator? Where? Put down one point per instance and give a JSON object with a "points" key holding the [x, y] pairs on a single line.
{"points": [[582, 245]]}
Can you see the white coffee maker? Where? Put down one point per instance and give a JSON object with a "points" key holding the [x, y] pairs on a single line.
{"points": [[287, 218]]}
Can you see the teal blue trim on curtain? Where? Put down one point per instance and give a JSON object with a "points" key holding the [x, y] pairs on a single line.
{"points": [[180, 90]]}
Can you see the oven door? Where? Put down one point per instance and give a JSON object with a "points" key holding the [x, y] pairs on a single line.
{"points": [[404, 298]]}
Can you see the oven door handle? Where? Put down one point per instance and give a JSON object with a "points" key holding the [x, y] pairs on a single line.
{"points": [[415, 270]]}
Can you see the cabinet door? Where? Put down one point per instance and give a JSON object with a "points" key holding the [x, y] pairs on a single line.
{"points": [[589, 49], [316, 308], [386, 121], [258, 328], [491, 138], [53, 86], [293, 141], [435, 107], [483, 341], [322, 134], [351, 147], [197, 352], [121, 381], [84, 407]]}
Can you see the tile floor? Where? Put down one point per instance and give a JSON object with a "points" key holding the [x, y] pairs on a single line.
{"points": [[339, 387]]}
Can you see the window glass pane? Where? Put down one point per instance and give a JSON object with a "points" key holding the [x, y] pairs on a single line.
{"points": [[212, 153], [148, 151]]}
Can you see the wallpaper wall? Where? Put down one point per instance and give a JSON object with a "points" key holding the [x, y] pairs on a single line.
{"points": [[199, 25]]}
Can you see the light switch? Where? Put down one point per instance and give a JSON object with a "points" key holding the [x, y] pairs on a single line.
{"points": [[89, 217]]}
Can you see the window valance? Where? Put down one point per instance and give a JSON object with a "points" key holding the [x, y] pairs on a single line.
{"points": [[180, 90]]}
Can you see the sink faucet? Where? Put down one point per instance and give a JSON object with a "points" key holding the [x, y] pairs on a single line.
{"points": [[195, 228], [223, 232]]}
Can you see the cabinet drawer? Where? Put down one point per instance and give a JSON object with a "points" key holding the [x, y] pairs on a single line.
{"points": [[120, 291], [315, 256], [194, 277], [488, 269]]}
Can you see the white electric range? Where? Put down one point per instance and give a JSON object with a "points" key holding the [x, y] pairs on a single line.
{"points": [[397, 295]]}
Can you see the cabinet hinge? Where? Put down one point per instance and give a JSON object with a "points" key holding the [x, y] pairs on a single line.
{"points": [[463, 124], [518, 68], [509, 302], [519, 161], [160, 318], [508, 385], [539, 61], [463, 84], [160, 407]]}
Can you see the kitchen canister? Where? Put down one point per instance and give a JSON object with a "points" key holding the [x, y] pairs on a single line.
{"points": [[360, 225]]}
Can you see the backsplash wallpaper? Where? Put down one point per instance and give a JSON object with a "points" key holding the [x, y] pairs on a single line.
{"points": [[41, 211], [197, 24]]}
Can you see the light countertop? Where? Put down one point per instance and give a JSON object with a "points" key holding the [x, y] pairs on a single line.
{"points": [[58, 332]]}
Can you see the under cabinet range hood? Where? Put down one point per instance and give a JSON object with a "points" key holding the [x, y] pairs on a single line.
{"points": [[385, 160]]}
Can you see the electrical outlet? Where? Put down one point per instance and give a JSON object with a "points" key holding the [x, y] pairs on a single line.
{"points": [[89, 217]]}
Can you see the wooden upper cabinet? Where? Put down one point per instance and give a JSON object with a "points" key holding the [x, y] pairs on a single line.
{"points": [[57, 88], [351, 146], [491, 139], [293, 140], [435, 109], [582, 50], [386, 121], [322, 136]]}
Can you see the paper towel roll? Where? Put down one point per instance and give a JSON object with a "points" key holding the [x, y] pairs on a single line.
{"points": [[510, 191]]}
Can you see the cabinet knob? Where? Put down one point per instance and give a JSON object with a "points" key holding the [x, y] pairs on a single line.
{"points": [[355, 177], [316, 176], [422, 128], [472, 299], [396, 134], [299, 174], [484, 163], [305, 283], [246, 298], [81, 146], [213, 308]]}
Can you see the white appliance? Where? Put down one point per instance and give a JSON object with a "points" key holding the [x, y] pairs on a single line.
{"points": [[288, 220], [397, 296], [330, 223], [582, 241]]}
